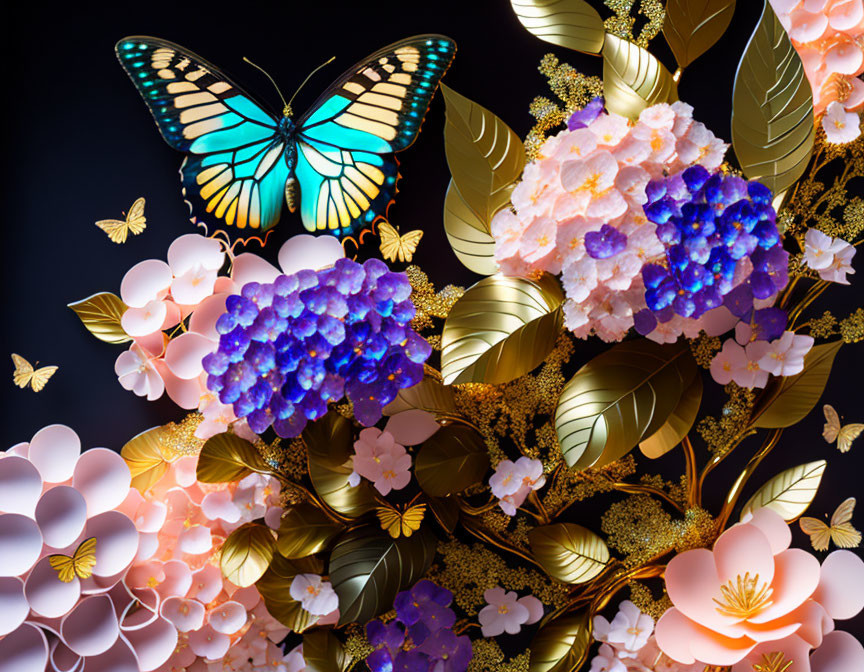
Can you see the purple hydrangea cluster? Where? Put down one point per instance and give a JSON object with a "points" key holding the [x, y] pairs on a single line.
{"points": [[289, 347], [722, 247], [421, 639]]}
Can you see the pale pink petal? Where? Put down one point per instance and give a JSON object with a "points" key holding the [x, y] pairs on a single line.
{"points": [[250, 267], [841, 587], [146, 320], [313, 252], [148, 544], [178, 579], [91, 628], [184, 471], [796, 575], [206, 583], [772, 525], [743, 549], [840, 652], [193, 250], [844, 58], [185, 352], [693, 584], [20, 544], [184, 614], [193, 287], [203, 320], [196, 540], [145, 282], [154, 644], [150, 516], [61, 515], [534, 607], [411, 428], [116, 542], [685, 641], [185, 393], [855, 100], [47, 595], [103, 478], [24, 650], [13, 604], [208, 643], [248, 597], [54, 450], [119, 658], [20, 485], [807, 26], [218, 505], [793, 649], [228, 617]]}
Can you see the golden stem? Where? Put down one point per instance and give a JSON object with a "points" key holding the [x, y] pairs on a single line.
{"points": [[638, 488], [476, 510], [694, 495], [738, 487], [676, 77], [490, 538], [535, 500]]}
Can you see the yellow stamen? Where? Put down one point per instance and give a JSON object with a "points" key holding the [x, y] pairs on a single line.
{"points": [[744, 598]]}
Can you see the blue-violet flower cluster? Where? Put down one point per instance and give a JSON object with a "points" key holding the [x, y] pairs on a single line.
{"points": [[289, 347], [423, 614], [721, 244]]}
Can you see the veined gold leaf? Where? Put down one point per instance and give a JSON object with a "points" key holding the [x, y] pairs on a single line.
{"points": [[772, 108], [485, 156], [469, 237], [323, 652], [144, 457], [246, 554], [790, 492], [633, 79], [275, 588], [693, 26], [573, 24], [562, 645], [501, 329], [568, 552], [328, 442], [226, 458], [452, 459], [368, 567], [788, 399], [678, 424], [620, 398], [101, 315], [305, 530], [428, 395]]}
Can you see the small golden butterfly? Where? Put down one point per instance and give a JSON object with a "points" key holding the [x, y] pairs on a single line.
{"points": [[80, 564], [840, 531], [397, 522], [844, 434], [393, 245], [118, 230], [25, 374]]}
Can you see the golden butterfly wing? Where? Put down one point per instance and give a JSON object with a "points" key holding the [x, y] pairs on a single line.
{"points": [[390, 520], [408, 245], [832, 423], [84, 559], [117, 231], [135, 220], [819, 532], [41, 376], [64, 565], [23, 371], [844, 512], [845, 536], [848, 433], [412, 518], [390, 240]]}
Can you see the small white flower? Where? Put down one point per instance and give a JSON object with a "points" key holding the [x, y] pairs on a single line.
{"points": [[606, 660], [505, 612], [840, 126], [316, 596], [630, 628], [785, 355]]}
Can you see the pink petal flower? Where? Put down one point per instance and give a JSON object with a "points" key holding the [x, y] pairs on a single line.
{"points": [[191, 251], [193, 286], [136, 372], [185, 352], [46, 594], [91, 628], [145, 282], [203, 320], [154, 644], [840, 652], [206, 583], [313, 252], [61, 515], [178, 579], [845, 57], [146, 320], [196, 540], [841, 585], [218, 506], [840, 126], [13, 605], [25, 649], [20, 485], [228, 617], [102, 478], [806, 26], [250, 267]]}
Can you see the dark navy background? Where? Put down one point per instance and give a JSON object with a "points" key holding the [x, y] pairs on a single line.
{"points": [[79, 145]]}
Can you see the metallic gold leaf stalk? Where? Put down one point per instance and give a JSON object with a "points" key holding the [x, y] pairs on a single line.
{"points": [[452, 459], [275, 588], [789, 399], [469, 237], [574, 24], [569, 552], [305, 530], [692, 27], [227, 457], [501, 329], [772, 108], [678, 424], [790, 492], [144, 457], [323, 652], [633, 79], [368, 567], [246, 554], [101, 315], [485, 156], [428, 395], [561, 645], [619, 398]]}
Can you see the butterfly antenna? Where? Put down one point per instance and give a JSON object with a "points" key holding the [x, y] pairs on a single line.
{"points": [[286, 109], [308, 77]]}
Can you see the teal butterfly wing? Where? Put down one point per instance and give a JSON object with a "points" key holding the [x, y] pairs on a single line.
{"points": [[345, 163], [239, 156]]}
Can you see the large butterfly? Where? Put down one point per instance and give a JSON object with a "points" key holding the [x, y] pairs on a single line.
{"points": [[243, 161]]}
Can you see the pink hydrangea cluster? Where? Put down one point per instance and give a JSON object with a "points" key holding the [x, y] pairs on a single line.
{"points": [[578, 210], [184, 522], [188, 288], [378, 458], [512, 482], [829, 37], [53, 498]]}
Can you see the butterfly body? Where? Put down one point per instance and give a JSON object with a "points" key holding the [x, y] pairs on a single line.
{"points": [[335, 163]]}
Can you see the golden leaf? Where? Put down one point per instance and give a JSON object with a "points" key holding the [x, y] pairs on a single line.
{"points": [[501, 329], [573, 24], [329, 441], [305, 530], [678, 424], [368, 567], [275, 588], [789, 399], [446, 512], [692, 27], [323, 652], [144, 457], [485, 156], [561, 645], [772, 108], [469, 237], [568, 552], [226, 458], [790, 492], [247, 553], [633, 79], [101, 315], [450, 460], [428, 395], [620, 398]]}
